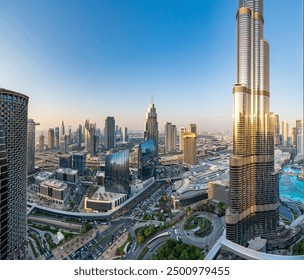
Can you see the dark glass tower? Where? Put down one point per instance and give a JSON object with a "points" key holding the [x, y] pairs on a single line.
{"points": [[147, 160], [254, 195], [13, 120], [151, 125], [109, 133], [117, 172]]}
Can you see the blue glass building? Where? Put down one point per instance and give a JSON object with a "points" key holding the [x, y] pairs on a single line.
{"points": [[147, 159], [117, 172]]}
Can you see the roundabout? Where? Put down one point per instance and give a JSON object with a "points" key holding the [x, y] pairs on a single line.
{"points": [[202, 230], [199, 225]]}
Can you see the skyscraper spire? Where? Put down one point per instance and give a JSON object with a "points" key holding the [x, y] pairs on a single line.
{"points": [[151, 125], [62, 128], [254, 195]]}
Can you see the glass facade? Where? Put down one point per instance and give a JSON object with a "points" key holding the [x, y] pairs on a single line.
{"points": [[3, 201], [79, 163], [254, 195], [117, 172], [14, 122], [151, 125], [31, 127], [147, 159]]}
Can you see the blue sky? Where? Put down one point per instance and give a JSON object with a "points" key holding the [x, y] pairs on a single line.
{"points": [[79, 59]]}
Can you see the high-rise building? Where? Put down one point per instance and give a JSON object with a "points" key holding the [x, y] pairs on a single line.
{"points": [[70, 140], [89, 137], [299, 124], [79, 138], [63, 143], [182, 130], [79, 162], [117, 172], [254, 192], [51, 138], [294, 136], [300, 142], [96, 144], [277, 141], [299, 127], [57, 137], [192, 128], [31, 144], [174, 136], [151, 125], [41, 143], [125, 137], [189, 148], [62, 129], [13, 183], [65, 161], [4, 193], [285, 130], [109, 133], [170, 137], [147, 160]]}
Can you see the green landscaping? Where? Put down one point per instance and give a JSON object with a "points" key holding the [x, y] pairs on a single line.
{"points": [[33, 248], [144, 232], [38, 242], [49, 240], [221, 209], [204, 225], [178, 250], [120, 250], [298, 249], [43, 227]]}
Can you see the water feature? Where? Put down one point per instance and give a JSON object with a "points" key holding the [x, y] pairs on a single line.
{"points": [[290, 186]]}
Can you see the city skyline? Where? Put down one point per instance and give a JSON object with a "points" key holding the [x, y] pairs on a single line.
{"points": [[132, 50]]}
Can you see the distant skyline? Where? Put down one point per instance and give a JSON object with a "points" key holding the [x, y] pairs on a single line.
{"points": [[92, 59]]}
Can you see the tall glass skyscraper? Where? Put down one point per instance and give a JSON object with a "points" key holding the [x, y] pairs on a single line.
{"points": [[109, 133], [147, 160], [117, 172], [14, 123], [3, 198], [151, 125], [254, 195], [31, 135]]}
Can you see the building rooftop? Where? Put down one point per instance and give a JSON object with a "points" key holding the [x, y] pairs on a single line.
{"points": [[43, 175], [67, 171], [100, 174], [65, 156], [55, 184], [257, 243], [102, 195]]}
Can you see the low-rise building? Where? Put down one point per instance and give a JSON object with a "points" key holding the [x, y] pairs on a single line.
{"points": [[219, 191], [104, 201], [42, 176], [67, 175], [53, 190]]}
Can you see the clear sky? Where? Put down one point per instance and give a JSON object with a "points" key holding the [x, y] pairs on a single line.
{"points": [[79, 59]]}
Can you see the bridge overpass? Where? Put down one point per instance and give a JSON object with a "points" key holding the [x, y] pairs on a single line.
{"points": [[244, 252]]}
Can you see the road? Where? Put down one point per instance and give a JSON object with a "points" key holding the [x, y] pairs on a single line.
{"points": [[188, 236], [45, 248], [93, 249]]}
